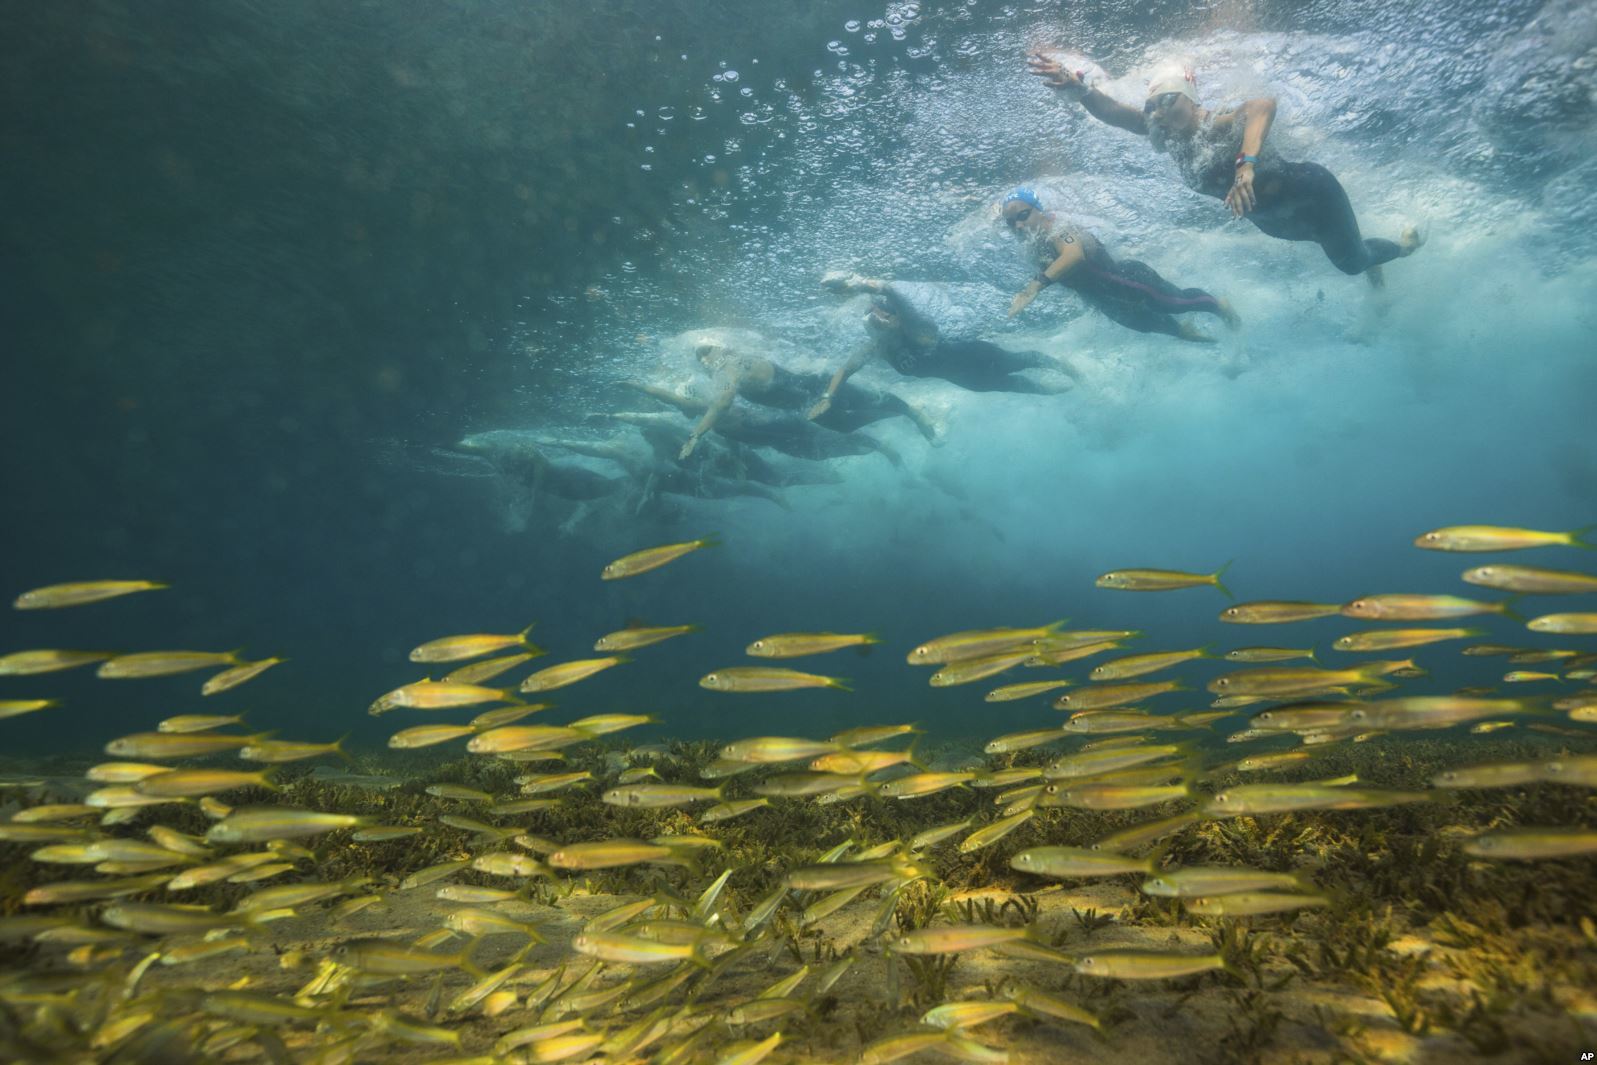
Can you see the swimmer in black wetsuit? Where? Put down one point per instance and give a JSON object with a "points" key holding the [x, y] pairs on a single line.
{"points": [[1129, 292], [1223, 154], [762, 381], [903, 329]]}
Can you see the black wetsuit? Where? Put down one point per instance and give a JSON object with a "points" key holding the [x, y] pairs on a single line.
{"points": [[1129, 292], [920, 347], [1294, 201], [974, 365]]}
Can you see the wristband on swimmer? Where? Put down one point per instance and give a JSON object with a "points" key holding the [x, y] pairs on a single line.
{"points": [[1043, 279], [1244, 157]]}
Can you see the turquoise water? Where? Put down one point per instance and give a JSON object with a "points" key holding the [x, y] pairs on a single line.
{"points": [[293, 290]]}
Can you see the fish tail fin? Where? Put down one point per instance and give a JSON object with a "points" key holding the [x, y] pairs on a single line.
{"points": [[1583, 537], [233, 657], [1157, 855], [1507, 608], [266, 780], [466, 964], [912, 760], [338, 749], [840, 683], [1312, 657], [524, 633], [1214, 578], [713, 540]]}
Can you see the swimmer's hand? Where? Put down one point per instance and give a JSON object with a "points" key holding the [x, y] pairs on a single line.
{"points": [[687, 449], [1024, 297], [1054, 75], [1240, 198], [822, 405]]}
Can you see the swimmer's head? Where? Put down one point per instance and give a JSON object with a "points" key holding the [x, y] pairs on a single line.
{"points": [[1022, 210], [1172, 105], [710, 354]]}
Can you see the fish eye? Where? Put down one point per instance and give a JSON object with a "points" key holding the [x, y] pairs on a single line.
{"points": [[759, 644], [1222, 798], [1087, 962], [1222, 683]]}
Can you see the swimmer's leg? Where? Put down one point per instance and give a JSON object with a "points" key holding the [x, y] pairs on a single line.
{"points": [[1321, 200], [899, 405], [1140, 283]]}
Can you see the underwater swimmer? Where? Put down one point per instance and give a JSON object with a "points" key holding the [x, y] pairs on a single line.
{"points": [[765, 382], [1223, 154], [1130, 292], [902, 331]]}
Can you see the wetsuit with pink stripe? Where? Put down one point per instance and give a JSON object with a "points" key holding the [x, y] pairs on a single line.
{"points": [[1129, 292]]}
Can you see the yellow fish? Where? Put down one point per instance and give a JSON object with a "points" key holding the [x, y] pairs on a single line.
{"points": [[1420, 607], [977, 643], [232, 678], [798, 644], [18, 707], [1565, 624], [1498, 538], [642, 636], [163, 663], [487, 669], [569, 673], [80, 592], [1531, 580], [1010, 692], [438, 695], [1277, 611], [1268, 654], [1109, 696], [1139, 665], [457, 648], [1161, 580], [653, 558], [970, 670], [1393, 639], [24, 663], [766, 679]]}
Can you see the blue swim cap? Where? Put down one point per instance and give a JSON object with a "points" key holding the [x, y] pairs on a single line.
{"points": [[1025, 195]]}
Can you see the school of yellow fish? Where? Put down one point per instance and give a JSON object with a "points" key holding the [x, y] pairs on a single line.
{"points": [[633, 985]]}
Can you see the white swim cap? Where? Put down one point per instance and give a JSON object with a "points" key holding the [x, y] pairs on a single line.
{"points": [[1174, 77]]}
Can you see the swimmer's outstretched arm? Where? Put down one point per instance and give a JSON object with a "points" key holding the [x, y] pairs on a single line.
{"points": [[1101, 106], [718, 407], [1070, 256], [844, 372], [1256, 117]]}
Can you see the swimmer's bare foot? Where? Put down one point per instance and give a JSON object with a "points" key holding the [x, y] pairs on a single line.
{"points": [[1229, 313], [926, 425], [846, 281], [1194, 334], [1375, 277], [1410, 240]]}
